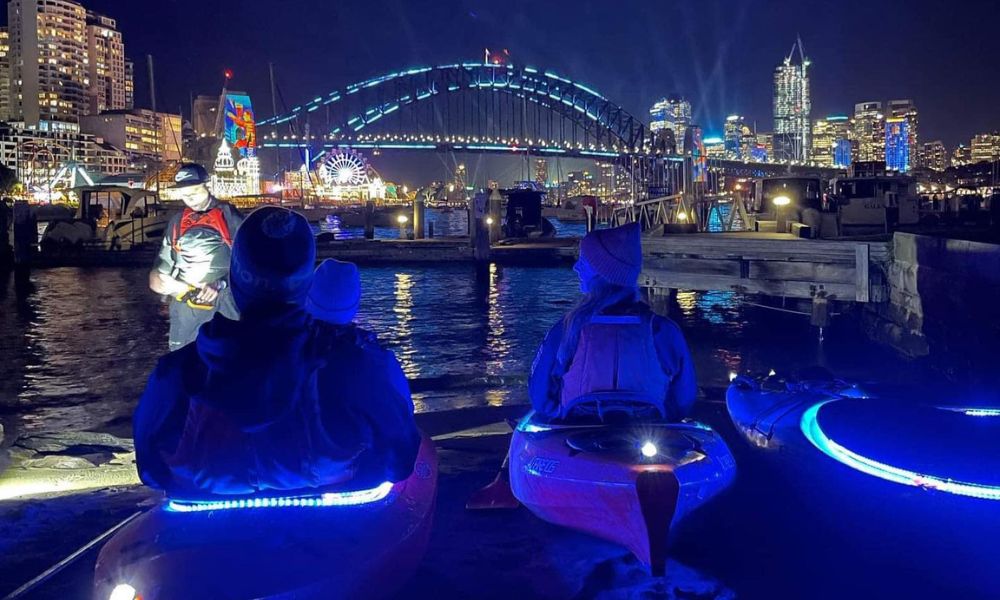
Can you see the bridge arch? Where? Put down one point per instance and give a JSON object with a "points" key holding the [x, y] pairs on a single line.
{"points": [[471, 102]]}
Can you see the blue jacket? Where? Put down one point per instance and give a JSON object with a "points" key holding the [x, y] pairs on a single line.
{"points": [[671, 349], [280, 403]]}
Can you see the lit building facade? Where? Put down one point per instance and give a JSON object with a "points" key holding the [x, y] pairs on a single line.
{"points": [[831, 145], [4, 74], [142, 134], [715, 147], [49, 80], [961, 155], [868, 132], [984, 147], [901, 125], [732, 133], [765, 142], [934, 156], [129, 85], [792, 107], [541, 171], [673, 113], [37, 156], [106, 64]]}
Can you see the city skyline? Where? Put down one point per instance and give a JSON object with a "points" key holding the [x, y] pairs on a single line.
{"points": [[722, 58]]}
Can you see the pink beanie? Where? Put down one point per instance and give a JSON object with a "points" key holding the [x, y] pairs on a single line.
{"points": [[614, 254]]}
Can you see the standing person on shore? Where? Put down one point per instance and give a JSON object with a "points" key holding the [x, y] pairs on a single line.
{"points": [[611, 345], [192, 267]]}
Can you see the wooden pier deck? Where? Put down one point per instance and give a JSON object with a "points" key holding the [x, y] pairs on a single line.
{"points": [[768, 263]]}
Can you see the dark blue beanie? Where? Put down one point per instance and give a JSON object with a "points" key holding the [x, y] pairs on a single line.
{"points": [[273, 257], [615, 254]]}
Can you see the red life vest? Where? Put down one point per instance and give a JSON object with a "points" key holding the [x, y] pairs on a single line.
{"points": [[213, 219], [615, 358]]}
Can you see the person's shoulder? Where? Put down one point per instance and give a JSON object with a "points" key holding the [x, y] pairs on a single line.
{"points": [[229, 210], [664, 324]]}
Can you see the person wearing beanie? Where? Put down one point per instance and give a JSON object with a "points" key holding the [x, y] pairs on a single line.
{"points": [[192, 268], [260, 404], [611, 346]]}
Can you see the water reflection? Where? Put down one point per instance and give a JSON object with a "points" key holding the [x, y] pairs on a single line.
{"points": [[403, 330]]}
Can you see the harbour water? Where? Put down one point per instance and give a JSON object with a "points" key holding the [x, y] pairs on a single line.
{"points": [[78, 344]]}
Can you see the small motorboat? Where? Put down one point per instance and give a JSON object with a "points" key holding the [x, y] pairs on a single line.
{"points": [[620, 477], [942, 448], [346, 543]]}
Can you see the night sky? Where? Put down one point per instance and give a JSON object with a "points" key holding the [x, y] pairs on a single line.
{"points": [[720, 54]]}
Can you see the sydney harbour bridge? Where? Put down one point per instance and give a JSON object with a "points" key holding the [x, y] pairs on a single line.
{"points": [[499, 108]]}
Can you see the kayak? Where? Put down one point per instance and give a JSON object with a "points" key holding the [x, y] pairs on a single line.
{"points": [[627, 482], [942, 448], [345, 543]]}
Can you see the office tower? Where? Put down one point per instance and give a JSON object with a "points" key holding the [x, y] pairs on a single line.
{"points": [[901, 136], [792, 106], [934, 156], [961, 155], [732, 133], [141, 133], [129, 85], [868, 132], [984, 147], [831, 146], [673, 113]]}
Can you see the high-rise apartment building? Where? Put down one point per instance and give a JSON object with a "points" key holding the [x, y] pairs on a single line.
{"points": [[792, 106], [4, 74], [673, 113], [63, 62], [106, 64], [868, 132], [901, 149], [129, 85], [934, 156], [49, 79], [831, 145]]}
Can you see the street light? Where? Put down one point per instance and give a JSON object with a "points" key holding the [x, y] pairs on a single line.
{"points": [[402, 219], [781, 201]]}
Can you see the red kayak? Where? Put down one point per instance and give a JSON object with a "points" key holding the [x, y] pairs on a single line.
{"points": [[339, 543], [627, 483]]}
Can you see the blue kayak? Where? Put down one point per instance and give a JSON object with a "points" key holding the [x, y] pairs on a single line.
{"points": [[944, 448]]}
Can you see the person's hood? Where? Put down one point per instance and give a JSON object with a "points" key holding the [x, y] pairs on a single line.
{"points": [[256, 369]]}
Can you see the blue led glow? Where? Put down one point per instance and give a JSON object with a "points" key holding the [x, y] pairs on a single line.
{"points": [[354, 498], [814, 433], [976, 412]]}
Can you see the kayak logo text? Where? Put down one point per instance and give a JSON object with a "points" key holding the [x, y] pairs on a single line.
{"points": [[539, 465]]}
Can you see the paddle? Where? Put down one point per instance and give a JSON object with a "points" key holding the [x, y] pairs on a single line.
{"points": [[496, 495]]}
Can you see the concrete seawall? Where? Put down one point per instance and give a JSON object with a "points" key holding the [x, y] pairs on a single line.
{"points": [[943, 300]]}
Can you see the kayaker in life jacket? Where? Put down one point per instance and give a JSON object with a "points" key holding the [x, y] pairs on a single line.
{"points": [[272, 401], [356, 358], [192, 268], [612, 345]]}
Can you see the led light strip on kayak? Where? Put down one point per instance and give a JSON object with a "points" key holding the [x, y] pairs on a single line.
{"points": [[318, 501], [814, 433]]}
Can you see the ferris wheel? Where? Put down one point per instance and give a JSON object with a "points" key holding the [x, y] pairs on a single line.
{"points": [[345, 168]]}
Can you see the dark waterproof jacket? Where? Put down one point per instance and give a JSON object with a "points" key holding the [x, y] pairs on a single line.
{"points": [[275, 404], [548, 379]]}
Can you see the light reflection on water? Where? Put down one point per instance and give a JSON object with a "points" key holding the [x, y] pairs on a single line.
{"points": [[76, 352]]}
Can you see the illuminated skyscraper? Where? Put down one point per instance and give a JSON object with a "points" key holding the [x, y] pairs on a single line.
{"points": [[792, 106], [868, 132], [129, 85], [831, 146], [961, 155], [733, 135], [106, 64], [673, 113], [49, 79], [934, 156], [901, 149], [715, 147], [4, 74]]}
